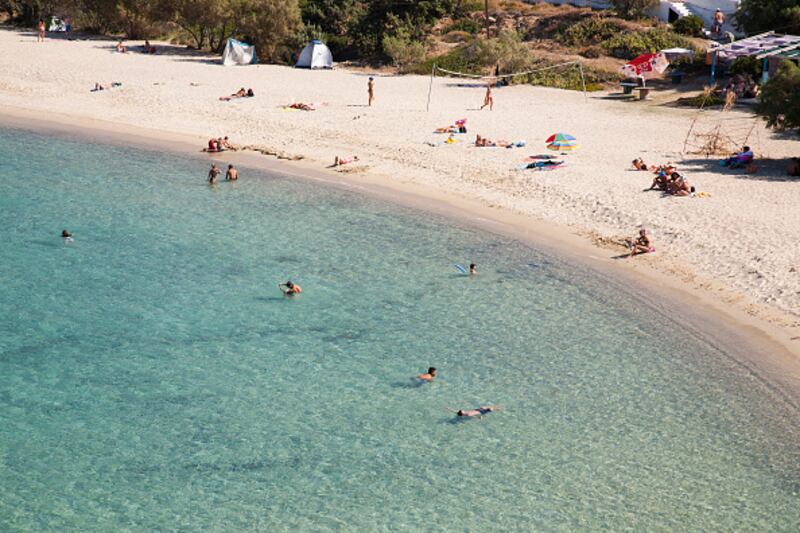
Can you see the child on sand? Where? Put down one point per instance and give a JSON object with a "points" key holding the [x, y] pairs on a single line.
{"points": [[370, 91]]}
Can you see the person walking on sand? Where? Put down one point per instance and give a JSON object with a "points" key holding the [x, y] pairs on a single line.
{"points": [[213, 172], [232, 174], [488, 99], [40, 27], [370, 91]]}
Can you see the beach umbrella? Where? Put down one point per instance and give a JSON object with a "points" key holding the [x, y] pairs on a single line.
{"points": [[646, 66], [561, 142]]}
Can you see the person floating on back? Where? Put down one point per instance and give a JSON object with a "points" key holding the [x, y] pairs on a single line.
{"points": [[479, 412], [428, 376], [289, 288]]}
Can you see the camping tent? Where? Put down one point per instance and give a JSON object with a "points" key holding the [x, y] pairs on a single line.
{"points": [[238, 53], [315, 55]]}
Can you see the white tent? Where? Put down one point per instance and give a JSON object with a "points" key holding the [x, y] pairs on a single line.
{"points": [[238, 53], [315, 55]]}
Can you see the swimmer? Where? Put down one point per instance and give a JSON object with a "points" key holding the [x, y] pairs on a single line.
{"points": [[232, 174], [213, 173], [67, 236], [473, 269], [427, 376], [479, 412], [290, 288]]}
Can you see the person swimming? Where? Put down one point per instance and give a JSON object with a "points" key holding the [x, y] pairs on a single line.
{"points": [[66, 235], [427, 376], [289, 288], [479, 412], [473, 269]]}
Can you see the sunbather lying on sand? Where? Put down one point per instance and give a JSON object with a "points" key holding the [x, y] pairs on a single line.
{"points": [[105, 86], [639, 164], [459, 127], [302, 106], [483, 142], [241, 93], [339, 161]]}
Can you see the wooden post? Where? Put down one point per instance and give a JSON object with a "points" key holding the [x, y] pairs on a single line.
{"points": [[430, 87]]}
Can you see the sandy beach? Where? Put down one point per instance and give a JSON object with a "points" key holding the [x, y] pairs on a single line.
{"points": [[736, 249]]}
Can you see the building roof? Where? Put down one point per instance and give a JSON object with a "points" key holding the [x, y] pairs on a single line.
{"points": [[759, 46]]}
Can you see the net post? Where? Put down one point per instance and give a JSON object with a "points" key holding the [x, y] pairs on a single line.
{"points": [[430, 87], [583, 81]]}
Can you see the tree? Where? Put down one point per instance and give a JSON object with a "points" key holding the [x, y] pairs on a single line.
{"points": [[631, 9], [780, 98], [757, 16]]}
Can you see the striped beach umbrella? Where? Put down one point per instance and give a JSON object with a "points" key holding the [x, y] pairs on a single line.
{"points": [[561, 142]]}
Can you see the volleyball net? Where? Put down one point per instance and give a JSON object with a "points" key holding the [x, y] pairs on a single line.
{"points": [[529, 74]]}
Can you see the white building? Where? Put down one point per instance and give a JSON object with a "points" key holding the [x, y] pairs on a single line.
{"points": [[669, 11]]}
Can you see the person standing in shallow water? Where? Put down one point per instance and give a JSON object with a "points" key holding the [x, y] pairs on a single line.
{"points": [[370, 91], [232, 174], [213, 172]]}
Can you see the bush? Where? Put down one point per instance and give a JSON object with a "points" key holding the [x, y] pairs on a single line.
{"points": [[631, 44], [457, 37], [468, 25], [780, 98], [592, 52], [691, 25], [631, 9], [507, 51], [457, 60], [403, 50], [702, 100], [591, 30], [747, 66]]}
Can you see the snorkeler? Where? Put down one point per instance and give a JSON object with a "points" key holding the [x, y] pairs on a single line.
{"points": [[289, 288], [427, 376], [479, 412]]}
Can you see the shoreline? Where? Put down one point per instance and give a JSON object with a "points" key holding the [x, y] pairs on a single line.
{"points": [[768, 350]]}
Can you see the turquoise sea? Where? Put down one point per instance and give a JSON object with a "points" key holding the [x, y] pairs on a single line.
{"points": [[152, 377]]}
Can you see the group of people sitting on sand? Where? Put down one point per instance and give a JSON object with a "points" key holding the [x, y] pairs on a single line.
{"points": [[667, 178], [241, 93], [219, 144], [483, 142], [146, 48], [741, 86]]}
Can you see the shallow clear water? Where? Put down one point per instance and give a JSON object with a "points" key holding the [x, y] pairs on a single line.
{"points": [[152, 377]]}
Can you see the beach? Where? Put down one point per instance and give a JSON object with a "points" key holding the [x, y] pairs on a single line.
{"points": [[735, 249]]}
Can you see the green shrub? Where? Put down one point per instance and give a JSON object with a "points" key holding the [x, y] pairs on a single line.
{"points": [[631, 44], [702, 100], [403, 50], [591, 30], [631, 9], [780, 98], [747, 66], [691, 25], [468, 25], [457, 37], [457, 60]]}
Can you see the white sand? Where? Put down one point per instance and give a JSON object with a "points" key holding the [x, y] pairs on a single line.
{"points": [[742, 242]]}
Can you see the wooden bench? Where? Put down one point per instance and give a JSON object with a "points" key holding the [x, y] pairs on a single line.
{"points": [[643, 92]]}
